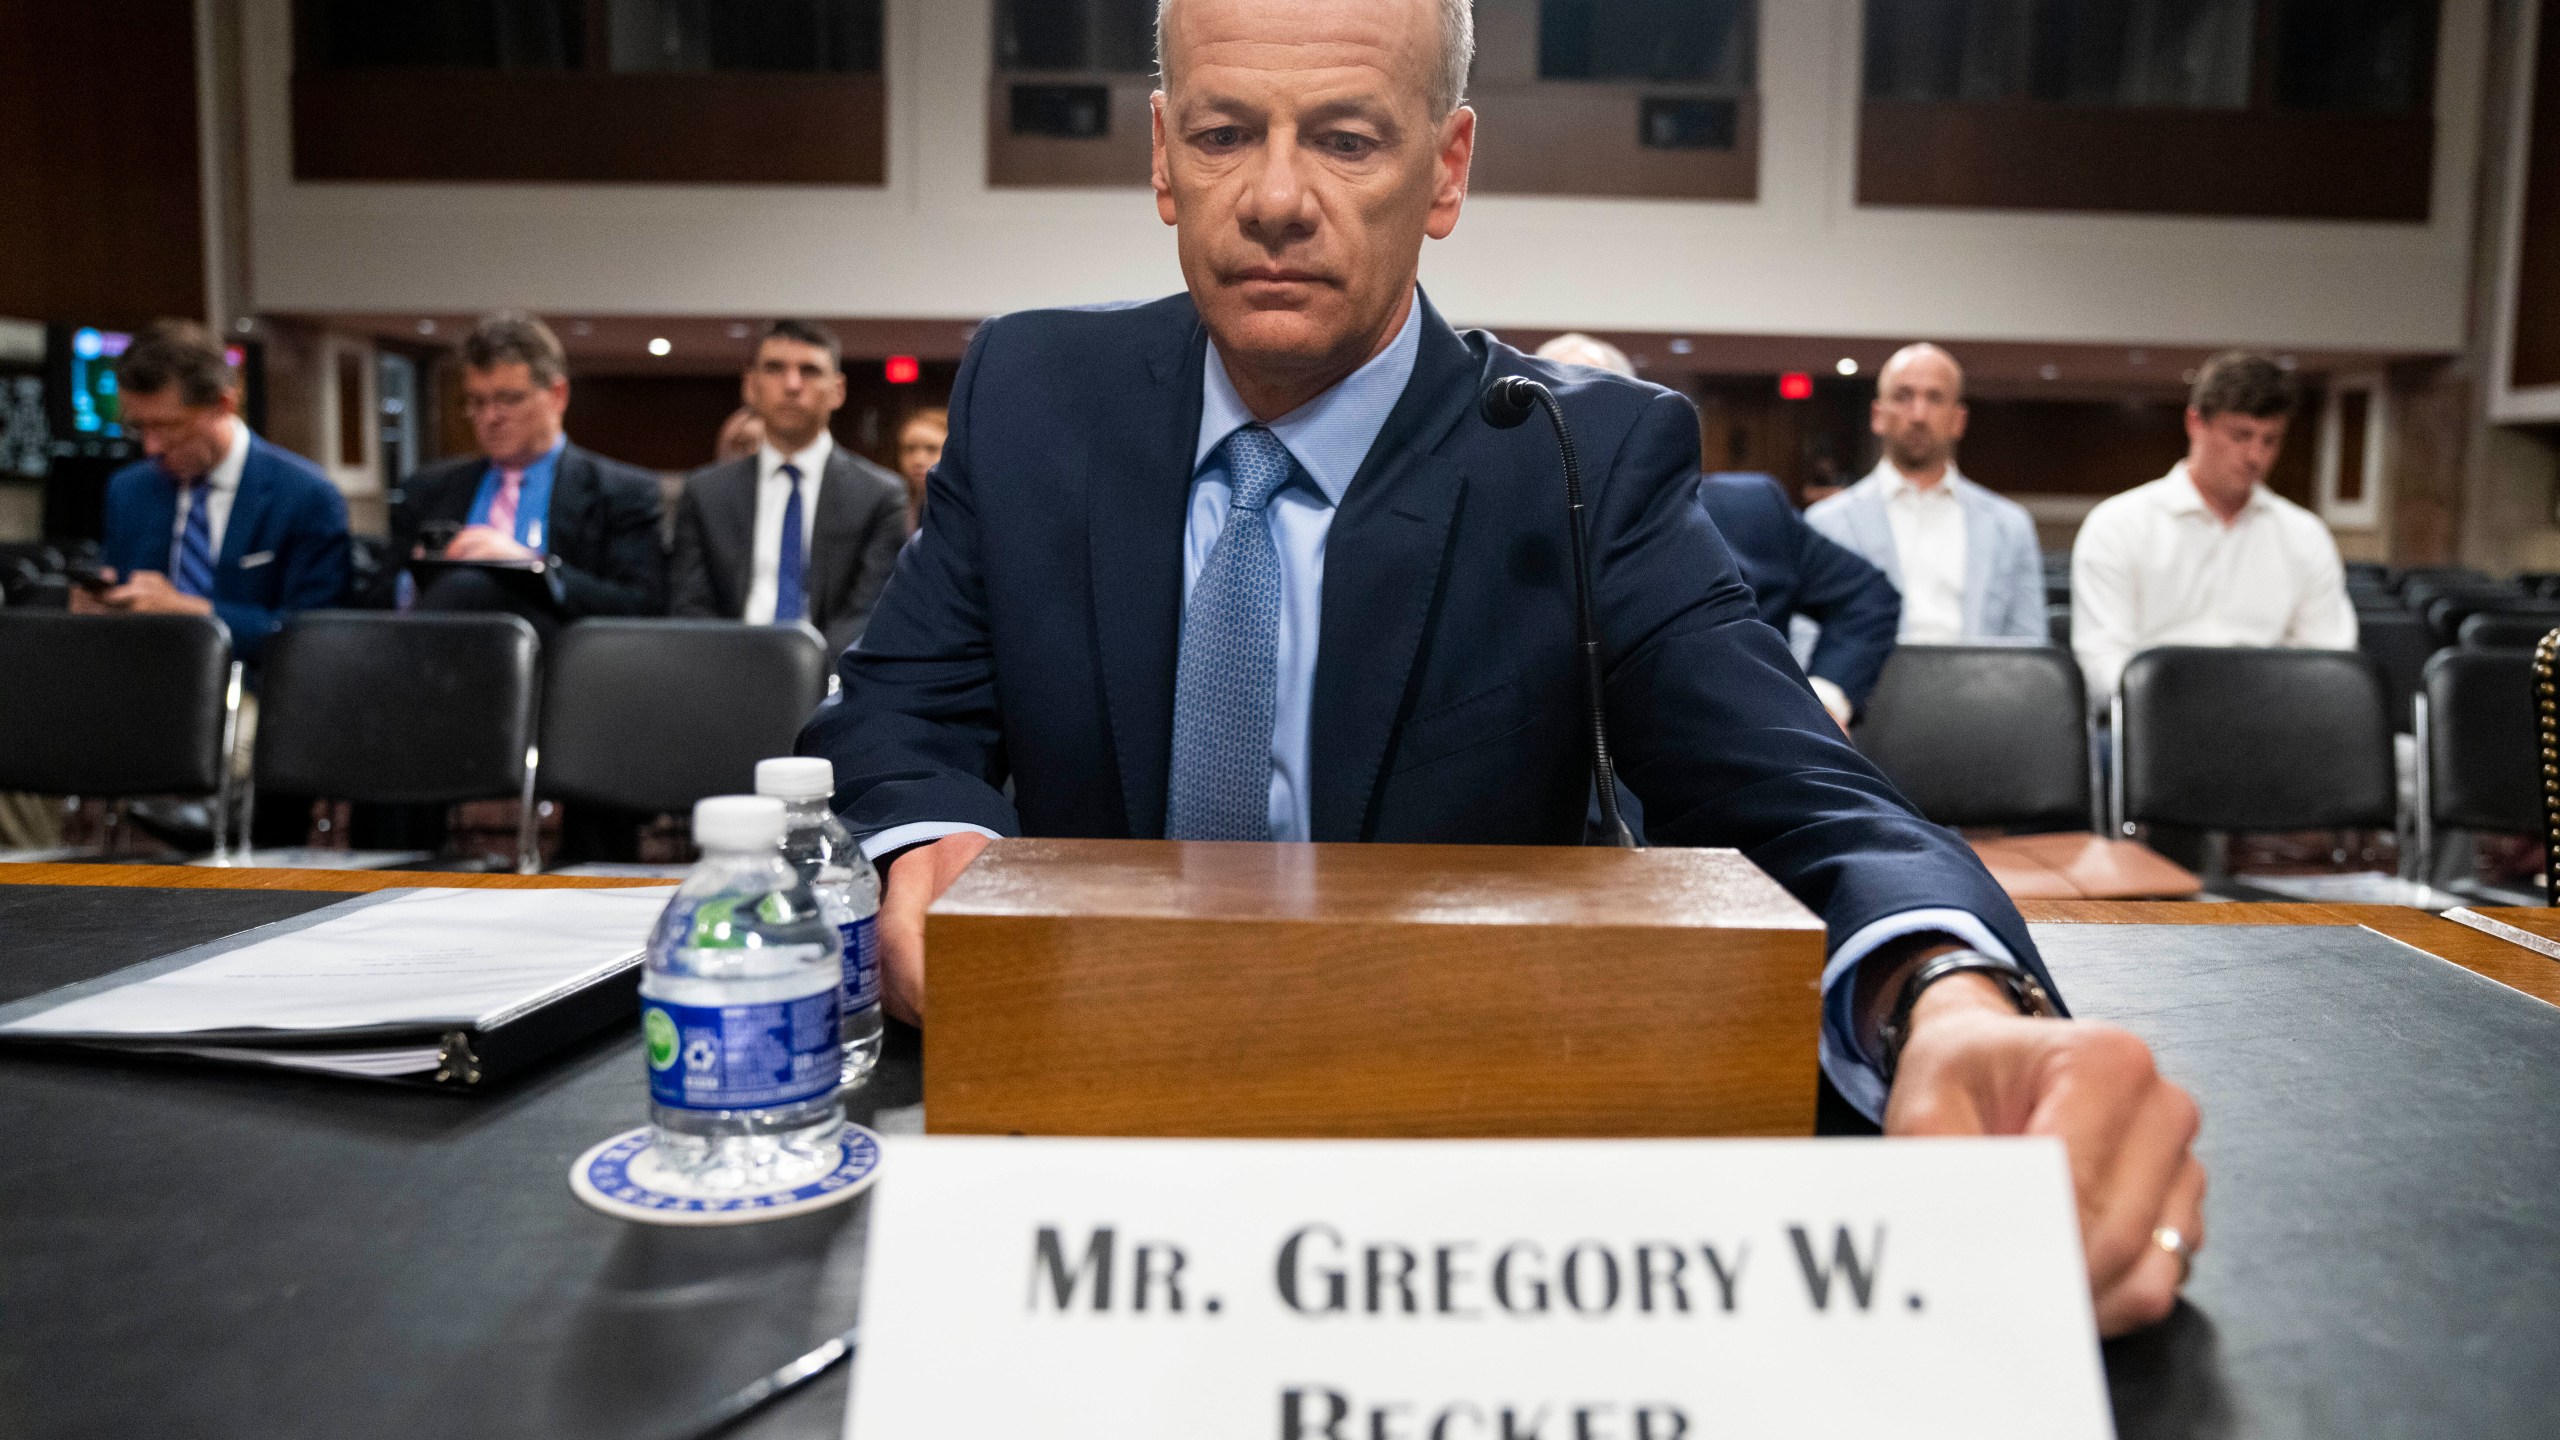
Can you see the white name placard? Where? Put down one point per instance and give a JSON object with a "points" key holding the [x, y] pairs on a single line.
{"points": [[1475, 1290]]}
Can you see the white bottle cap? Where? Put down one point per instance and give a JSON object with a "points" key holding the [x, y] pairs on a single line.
{"points": [[738, 823], [796, 777]]}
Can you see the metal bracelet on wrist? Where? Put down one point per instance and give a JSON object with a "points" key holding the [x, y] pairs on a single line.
{"points": [[2022, 988]]}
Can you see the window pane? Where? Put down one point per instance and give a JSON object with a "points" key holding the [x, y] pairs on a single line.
{"points": [[1115, 36], [1708, 42], [806, 36], [472, 34], [1946, 49], [2356, 54]]}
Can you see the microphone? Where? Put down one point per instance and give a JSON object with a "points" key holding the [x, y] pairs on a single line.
{"points": [[1505, 404]]}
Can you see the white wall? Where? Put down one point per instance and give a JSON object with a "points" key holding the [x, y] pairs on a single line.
{"points": [[936, 243]]}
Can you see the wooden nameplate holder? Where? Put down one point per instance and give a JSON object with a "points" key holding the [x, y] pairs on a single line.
{"points": [[1145, 987]]}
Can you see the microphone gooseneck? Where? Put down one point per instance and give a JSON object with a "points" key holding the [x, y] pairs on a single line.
{"points": [[1505, 404]]}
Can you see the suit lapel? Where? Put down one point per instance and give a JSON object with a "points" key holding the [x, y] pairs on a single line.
{"points": [[833, 548], [248, 507], [1875, 529], [1137, 491], [572, 487], [1978, 545], [1384, 558]]}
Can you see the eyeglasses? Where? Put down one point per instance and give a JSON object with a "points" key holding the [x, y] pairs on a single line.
{"points": [[496, 400]]}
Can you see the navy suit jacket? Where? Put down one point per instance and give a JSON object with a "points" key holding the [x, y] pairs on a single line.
{"points": [[1031, 630], [283, 549], [602, 533], [1793, 569]]}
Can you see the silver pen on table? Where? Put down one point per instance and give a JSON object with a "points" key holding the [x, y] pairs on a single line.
{"points": [[763, 1392]]}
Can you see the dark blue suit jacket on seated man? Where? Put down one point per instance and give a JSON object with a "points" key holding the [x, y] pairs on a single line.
{"points": [[1031, 634], [1793, 569], [284, 547]]}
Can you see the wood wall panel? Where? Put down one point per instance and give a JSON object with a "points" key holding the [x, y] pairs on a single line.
{"points": [[748, 129], [2537, 294], [1121, 156], [1562, 138], [101, 214], [2270, 163]]}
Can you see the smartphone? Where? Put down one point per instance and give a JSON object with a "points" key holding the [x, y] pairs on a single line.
{"points": [[437, 534], [92, 578]]}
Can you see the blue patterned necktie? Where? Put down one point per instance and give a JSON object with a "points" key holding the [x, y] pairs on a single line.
{"points": [[193, 572], [1227, 685], [789, 600]]}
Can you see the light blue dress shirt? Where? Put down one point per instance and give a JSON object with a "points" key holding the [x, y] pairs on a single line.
{"points": [[1328, 437], [533, 502]]}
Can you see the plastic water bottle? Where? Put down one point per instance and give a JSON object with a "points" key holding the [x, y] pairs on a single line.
{"points": [[824, 852], [739, 1012]]}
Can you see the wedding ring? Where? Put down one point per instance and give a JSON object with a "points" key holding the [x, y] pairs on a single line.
{"points": [[2174, 1240]]}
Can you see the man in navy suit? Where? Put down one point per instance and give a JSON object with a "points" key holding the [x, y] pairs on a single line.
{"points": [[1792, 568], [1248, 563], [217, 521], [531, 496]]}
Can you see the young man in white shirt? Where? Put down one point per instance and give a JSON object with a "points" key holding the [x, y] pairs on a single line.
{"points": [[1964, 559], [803, 529], [2207, 554]]}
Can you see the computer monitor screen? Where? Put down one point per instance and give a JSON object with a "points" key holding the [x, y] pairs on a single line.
{"points": [[93, 381]]}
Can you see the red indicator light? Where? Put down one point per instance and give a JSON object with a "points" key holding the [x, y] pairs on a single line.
{"points": [[1795, 385], [903, 370]]}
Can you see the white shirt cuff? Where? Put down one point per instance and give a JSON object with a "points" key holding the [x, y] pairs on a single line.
{"points": [[1834, 699], [1853, 1072], [899, 837]]}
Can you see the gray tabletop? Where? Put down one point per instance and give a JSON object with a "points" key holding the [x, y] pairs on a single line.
{"points": [[200, 1251]]}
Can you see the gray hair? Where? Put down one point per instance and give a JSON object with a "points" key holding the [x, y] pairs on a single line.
{"points": [[1457, 53]]}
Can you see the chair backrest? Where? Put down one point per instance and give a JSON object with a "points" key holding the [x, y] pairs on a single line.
{"points": [[652, 715], [2398, 645], [419, 709], [2508, 629], [2480, 746], [2446, 613], [112, 705], [1983, 734], [2234, 739]]}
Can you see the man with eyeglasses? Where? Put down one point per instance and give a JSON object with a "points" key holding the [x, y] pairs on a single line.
{"points": [[529, 497]]}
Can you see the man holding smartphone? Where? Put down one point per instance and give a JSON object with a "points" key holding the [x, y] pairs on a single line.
{"points": [[217, 521]]}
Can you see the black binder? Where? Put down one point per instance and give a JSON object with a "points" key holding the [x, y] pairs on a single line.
{"points": [[455, 1054]]}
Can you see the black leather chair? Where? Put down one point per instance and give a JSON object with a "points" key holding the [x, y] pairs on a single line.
{"points": [[644, 717], [2244, 739], [419, 709], [2446, 613], [2398, 643], [2476, 740], [1983, 735], [1997, 737], [2507, 629], [116, 706]]}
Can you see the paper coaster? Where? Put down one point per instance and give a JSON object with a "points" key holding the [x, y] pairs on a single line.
{"points": [[622, 1178]]}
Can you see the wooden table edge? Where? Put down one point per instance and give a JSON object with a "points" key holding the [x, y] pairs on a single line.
{"points": [[350, 882], [2486, 955]]}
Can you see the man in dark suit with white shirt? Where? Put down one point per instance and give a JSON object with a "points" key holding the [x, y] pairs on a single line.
{"points": [[803, 529]]}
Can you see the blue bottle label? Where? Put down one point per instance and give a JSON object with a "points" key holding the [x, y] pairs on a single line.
{"points": [[861, 964], [741, 1057]]}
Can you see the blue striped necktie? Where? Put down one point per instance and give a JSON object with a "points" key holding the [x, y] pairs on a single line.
{"points": [[1227, 684], [790, 600], [193, 571]]}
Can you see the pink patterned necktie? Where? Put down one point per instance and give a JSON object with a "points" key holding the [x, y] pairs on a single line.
{"points": [[502, 506]]}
